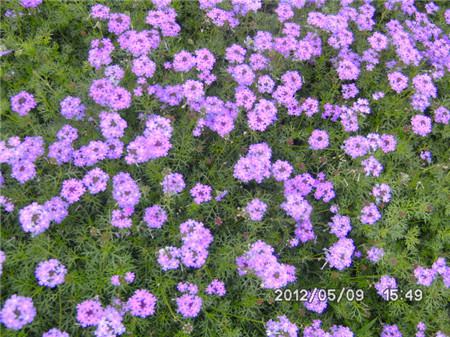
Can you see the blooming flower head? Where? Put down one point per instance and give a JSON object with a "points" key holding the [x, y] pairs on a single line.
{"points": [[384, 285], [72, 108], [421, 125], [155, 216], [72, 190], [424, 276], [89, 312], [173, 183], [30, 3], [110, 324], [17, 312], [281, 327], [216, 287], [339, 255], [129, 277], [189, 306], [125, 190], [142, 303], [55, 333], [50, 273], [34, 219], [23, 103], [201, 193], [315, 302], [391, 331], [340, 225], [375, 254], [318, 140], [256, 209], [370, 214], [100, 12]]}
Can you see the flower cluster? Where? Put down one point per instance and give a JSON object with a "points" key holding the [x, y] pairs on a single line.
{"points": [[281, 327], [426, 276], [315, 330], [50, 273], [194, 250], [255, 165], [261, 261], [385, 284], [17, 312], [21, 156], [23, 103]]}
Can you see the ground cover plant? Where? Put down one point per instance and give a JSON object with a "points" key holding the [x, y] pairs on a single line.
{"points": [[224, 168]]}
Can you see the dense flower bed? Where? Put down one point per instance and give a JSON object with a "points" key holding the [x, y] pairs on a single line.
{"points": [[176, 168]]}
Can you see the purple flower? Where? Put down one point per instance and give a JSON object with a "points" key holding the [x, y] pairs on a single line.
{"points": [[34, 219], [186, 287], [183, 61], [110, 324], [72, 190], [421, 125], [356, 146], [375, 254], [100, 12], [339, 255], [96, 180], [384, 285], [72, 108], [67, 133], [23, 103], [118, 23], [372, 167], [173, 183], [168, 258], [120, 219], [55, 333], [235, 54], [281, 170], [142, 303], [216, 287], [340, 225], [129, 277], [382, 193], [201, 193], [391, 331], [155, 216], [349, 91], [424, 276], [281, 327], [143, 67], [261, 261], [30, 3], [125, 190], [441, 115], [189, 306], [50, 273], [370, 214], [318, 140], [115, 280], [89, 312], [256, 209], [112, 125], [314, 302], [17, 312], [398, 81]]}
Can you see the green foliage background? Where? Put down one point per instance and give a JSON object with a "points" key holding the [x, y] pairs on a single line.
{"points": [[50, 47]]}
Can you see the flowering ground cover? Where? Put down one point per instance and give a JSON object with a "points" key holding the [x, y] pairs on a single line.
{"points": [[225, 168]]}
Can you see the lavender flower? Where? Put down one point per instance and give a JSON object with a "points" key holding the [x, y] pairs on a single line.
{"points": [[17, 312], [23, 103], [142, 303], [50, 273]]}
